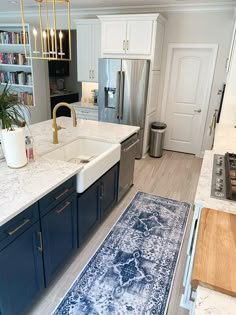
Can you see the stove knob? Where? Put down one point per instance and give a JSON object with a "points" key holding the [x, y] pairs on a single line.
{"points": [[219, 171], [219, 180], [219, 161], [219, 187]]}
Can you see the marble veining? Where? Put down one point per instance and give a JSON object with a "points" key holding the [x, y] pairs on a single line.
{"points": [[20, 188], [210, 302]]}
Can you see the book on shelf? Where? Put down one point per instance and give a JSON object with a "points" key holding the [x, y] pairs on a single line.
{"points": [[13, 59], [13, 37], [18, 77], [26, 98]]}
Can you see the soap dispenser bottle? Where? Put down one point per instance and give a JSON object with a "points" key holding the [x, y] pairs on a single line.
{"points": [[29, 148]]}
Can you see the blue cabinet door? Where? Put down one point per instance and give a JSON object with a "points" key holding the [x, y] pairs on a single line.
{"points": [[59, 231], [96, 202], [21, 272], [88, 211], [108, 188]]}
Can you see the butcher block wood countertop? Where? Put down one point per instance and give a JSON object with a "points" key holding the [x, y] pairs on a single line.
{"points": [[215, 258]]}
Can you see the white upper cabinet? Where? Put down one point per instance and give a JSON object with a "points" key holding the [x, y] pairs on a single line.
{"points": [[139, 37], [88, 49], [130, 35], [113, 37]]}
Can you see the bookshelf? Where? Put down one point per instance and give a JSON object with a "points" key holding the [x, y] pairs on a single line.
{"points": [[15, 69]]}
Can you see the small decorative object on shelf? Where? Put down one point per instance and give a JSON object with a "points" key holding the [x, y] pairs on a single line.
{"points": [[47, 39], [12, 117]]}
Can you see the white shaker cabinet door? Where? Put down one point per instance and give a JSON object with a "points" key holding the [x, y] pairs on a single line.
{"points": [[84, 50], [113, 37], [139, 37]]}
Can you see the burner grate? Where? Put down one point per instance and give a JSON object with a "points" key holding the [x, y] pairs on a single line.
{"points": [[230, 173]]}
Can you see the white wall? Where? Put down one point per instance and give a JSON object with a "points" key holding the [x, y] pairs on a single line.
{"points": [[41, 109], [87, 95], [228, 113], [205, 27]]}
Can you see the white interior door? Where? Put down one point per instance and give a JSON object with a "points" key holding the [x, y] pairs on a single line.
{"points": [[189, 76]]}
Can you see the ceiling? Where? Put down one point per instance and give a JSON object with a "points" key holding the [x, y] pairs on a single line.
{"points": [[14, 5]]}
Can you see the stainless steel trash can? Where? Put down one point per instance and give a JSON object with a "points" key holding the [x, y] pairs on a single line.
{"points": [[158, 130]]}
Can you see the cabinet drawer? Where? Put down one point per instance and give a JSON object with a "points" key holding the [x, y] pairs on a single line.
{"points": [[16, 226], [83, 113], [57, 195]]}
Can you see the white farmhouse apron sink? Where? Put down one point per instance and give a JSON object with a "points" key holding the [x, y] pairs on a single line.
{"points": [[95, 156]]}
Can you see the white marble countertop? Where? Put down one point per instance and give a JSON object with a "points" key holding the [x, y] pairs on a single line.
{"points": [[225, 139], [20, 188], [42, 133], [85, 105], [210, 301]]}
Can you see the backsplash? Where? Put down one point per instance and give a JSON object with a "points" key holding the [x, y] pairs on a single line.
{"points": [[87, 94]]}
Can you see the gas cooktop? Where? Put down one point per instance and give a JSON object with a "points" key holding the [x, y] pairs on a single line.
{"points": [[224, 176]]}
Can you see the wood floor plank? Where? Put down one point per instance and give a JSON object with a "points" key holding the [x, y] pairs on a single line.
{"points": [[175, 176]]}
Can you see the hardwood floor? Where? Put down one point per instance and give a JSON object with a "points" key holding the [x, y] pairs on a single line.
{"points": [[175, 176]]}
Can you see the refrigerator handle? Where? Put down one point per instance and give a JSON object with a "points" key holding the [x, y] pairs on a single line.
{"points": [[118, 79], [122, 84]]}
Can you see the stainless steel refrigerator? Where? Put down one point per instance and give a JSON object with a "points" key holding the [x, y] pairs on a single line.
{"points": [[122, 94]]}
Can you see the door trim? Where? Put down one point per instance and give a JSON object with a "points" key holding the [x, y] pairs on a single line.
{"points": [[171, 47]]}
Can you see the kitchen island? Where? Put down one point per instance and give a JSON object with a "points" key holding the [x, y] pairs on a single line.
{"points": [[209, 301], [20, 188], [43, 217]]}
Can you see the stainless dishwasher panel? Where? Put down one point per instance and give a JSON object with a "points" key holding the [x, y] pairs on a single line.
{"points": [[127, 159]]}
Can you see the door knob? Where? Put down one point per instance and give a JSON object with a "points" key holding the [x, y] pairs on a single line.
{"points": [[197, 110]]}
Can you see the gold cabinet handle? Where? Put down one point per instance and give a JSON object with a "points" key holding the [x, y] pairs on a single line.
{"points": [[40, 247], [124, 44], [18, 227], [62, 194], [63, 208]]}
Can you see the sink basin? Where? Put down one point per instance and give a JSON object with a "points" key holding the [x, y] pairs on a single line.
{"points": [[95, 156]]}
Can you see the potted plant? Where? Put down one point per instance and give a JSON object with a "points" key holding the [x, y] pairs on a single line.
{"points": [[12, 120]]}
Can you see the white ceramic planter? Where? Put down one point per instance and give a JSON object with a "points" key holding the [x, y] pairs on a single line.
{"points": [[14, 147]]}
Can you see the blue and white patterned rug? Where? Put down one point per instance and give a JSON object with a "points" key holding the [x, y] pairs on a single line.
{"points": [[132, 271]]}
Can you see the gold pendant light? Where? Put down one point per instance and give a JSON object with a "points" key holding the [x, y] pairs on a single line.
{"points": [[48, 42]]}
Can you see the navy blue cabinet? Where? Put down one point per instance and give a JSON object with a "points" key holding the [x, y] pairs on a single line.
{"points": [[36, 243], [59, 233], [96, 202], [88, 211], [108, 191], [21, 271]]}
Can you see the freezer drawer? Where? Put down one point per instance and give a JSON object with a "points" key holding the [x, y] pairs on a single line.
{"points": [[127, 160]]}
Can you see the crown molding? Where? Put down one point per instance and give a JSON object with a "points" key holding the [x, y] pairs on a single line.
{"points": [[181, 7]]}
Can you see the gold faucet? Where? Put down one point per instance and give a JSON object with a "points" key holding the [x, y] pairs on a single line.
{"points": [[55, 128]]}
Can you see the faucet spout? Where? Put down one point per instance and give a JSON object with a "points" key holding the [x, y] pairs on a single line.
{"points": [[54, 122]]}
